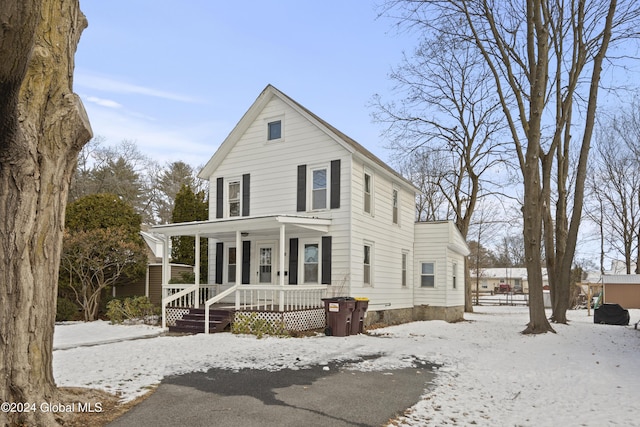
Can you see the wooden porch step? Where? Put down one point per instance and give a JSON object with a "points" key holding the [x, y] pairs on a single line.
{"points": [[193, 322]]}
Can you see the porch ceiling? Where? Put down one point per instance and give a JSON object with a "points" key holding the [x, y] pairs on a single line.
{"points": [[218, 228]]}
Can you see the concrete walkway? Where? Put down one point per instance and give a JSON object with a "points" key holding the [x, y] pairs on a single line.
{"points": [[307, 397]]}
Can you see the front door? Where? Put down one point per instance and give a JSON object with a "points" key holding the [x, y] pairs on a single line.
{"points": [[265, 263]]}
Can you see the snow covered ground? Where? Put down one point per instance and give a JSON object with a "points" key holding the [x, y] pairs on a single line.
{"points": [[489, 373]]}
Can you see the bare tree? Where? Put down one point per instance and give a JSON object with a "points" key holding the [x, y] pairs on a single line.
{"points": [[545, 58], [97, 259], [43, 126], [615, 186], [449, 114], [424, 169]]}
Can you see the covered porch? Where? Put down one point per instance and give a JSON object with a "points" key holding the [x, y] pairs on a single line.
{"points": [[266, 264]]}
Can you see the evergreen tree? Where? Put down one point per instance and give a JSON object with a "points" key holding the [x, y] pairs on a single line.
{"points": [[190, 206]]}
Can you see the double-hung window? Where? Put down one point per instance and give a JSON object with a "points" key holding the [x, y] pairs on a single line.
{"points": [[234, 198], [427, 275], [455, 274], [394, 204], [404, 269], [367, 263], [368, 186], [319, 191]]}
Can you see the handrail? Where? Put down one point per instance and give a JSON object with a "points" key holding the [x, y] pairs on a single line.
{"points": [[214, 300], [177, 295]]}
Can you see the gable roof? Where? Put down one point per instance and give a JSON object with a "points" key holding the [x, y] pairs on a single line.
{"points": [[252, 113]]}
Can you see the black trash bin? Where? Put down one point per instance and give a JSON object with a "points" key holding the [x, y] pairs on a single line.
{"points": [[357, 318], [338, 312]]}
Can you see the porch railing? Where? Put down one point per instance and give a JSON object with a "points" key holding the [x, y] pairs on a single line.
{"points": [[247, 297], [184, 295], [279, 298], [204, 293]]}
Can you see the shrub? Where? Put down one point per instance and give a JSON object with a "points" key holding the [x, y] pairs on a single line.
{"points": [[134, 308], [251, 323], [66, 310]]}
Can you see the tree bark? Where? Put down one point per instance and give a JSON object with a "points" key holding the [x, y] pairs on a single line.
{"points": [[538, 48], [43, 126]]}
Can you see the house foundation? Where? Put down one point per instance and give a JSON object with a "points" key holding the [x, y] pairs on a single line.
{"points": [[406, 315]]}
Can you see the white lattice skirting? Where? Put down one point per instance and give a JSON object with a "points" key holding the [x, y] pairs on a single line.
{"points": [[300, 320], [175, 313]]}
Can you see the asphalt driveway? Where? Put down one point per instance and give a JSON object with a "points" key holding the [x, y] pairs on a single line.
{"points": [[306, 397]]}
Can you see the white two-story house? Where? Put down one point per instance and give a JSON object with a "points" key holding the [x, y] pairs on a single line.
{"points": [[299, 211]]}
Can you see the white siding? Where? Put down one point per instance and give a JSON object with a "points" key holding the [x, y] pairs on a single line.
{"points": [[439, 242], [389, 240], [273, 166]]}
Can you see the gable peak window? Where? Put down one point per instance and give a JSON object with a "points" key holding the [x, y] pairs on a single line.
{"points": [[274, 130]]}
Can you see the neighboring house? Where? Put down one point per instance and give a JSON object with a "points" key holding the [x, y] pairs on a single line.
{"points": [[300, 211], [490, 279], [151, 284], [623, 289], [617, 286]]}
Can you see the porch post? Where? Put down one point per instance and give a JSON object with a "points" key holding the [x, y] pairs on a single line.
{"points": [[239, 256], [197, 270], [281, 265], [165, 278], [281, 255]]}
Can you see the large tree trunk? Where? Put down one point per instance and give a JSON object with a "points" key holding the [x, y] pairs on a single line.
{"points": [[532, 216], [42, 128], [468, 288], [538, 48]]}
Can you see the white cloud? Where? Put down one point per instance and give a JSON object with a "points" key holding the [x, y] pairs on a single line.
{"points": [[163, 141], [103, 102], [107, 84]]}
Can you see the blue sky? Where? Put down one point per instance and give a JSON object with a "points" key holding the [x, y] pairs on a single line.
{"points": [[175, 77]]}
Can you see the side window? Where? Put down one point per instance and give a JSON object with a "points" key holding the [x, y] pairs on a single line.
{"points": [[394, 205], [455, 274], [367, 262], [427, 275], [404, 269], [368, 190]]}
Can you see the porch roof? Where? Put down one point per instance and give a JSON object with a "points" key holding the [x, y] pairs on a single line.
{"points": [[219, 227]]}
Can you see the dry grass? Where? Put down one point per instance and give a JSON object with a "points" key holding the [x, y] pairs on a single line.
{"points": [[111, 408]]}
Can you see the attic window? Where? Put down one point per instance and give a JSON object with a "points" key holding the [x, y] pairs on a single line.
{"points": [[274, 130]]}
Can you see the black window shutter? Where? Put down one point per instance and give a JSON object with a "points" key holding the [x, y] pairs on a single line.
{"points": [[219, 258], [246, 262], [219, 197], [245, 194], [302, 188], [293, 261], [326, 260], [335, 184]]}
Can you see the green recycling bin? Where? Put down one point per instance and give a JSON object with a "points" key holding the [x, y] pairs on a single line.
{"points": [[357, 318], [338, 312]]}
